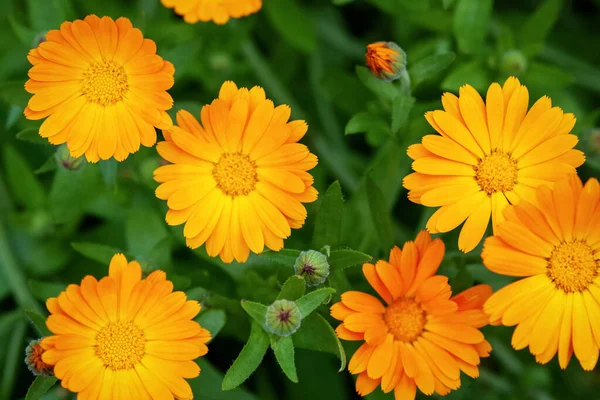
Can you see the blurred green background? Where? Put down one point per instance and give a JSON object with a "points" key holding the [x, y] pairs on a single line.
{"points": [[57, 226]]}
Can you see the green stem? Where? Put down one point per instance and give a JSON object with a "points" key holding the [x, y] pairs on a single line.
{"points": [[14, 357], [14, 275]]}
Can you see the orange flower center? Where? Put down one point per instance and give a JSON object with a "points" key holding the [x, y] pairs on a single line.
{"points": [[120, 345], [235, 174], [496, 173], [105, 83], [572, 266], [405, 319]]}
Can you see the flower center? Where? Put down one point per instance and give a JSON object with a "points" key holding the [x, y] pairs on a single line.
{"points": [[120, 345], [235, 174], [572, 266], [405, 319], [105, 83], [496, 173]]}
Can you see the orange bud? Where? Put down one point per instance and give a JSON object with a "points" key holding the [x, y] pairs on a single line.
{"points": [[386, 60], [34, 361]]}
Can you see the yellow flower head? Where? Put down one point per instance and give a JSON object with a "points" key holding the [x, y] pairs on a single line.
{"points": [[102, 87], [386, 60], [218, 11], [124, 337], [488, 155], [422, 337], [238, 180], [554, 243]]}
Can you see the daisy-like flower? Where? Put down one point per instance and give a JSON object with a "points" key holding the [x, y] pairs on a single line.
{"points": [[238, 180], [421, 337], [386, 60], [487, 156], [218, 11], [124, 337], [554, 244], [102, 87]]}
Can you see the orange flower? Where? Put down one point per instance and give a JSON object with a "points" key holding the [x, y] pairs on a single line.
{"points": [[554, 244], [422, 338], [386, 60], [218, 11], [102, 87]]}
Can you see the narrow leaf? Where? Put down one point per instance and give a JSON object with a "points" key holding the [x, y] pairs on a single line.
{"points": [[365, 122], [293, 288], [471, 22], [283, 347], [283, 257], [342, 259], [309, 302], [249, 359], [317, 334], [97, 252], [24, 185], [380, 216], [328, 227], [214, 320], [32, 135], [47, 166], [429, 67], [535, 30], [40, 386], [401, 107], [39, 322], [208, 385], [257, 311], [383, 89]]}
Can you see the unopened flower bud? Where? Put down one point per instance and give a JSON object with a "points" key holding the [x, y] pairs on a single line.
{"points": [[283, 317], [514, 63], [386, 60], [65, 160], [34, 361], [312, 266]]}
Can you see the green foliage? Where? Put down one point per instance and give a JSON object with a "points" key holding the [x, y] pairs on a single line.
{"points": [[470, 24], [40, 386], [328, 227], [293, 288], [344, 258], [39, 323], [309, 302]]}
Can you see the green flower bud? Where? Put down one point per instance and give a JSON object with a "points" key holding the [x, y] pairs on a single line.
{"points": [[513, 63], [283, 317], [65, 160], [33, 359], [312, 266]]}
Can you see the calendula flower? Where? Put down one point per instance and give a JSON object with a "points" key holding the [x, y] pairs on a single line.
{"points": [[554, 244], [218, 11], [33, 359], [238, 180], [124, 337], [487, 156], [420, 336], [102, 87], [386, 60]]}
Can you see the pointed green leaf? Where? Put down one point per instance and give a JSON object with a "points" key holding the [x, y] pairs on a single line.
{"points": [[283, 347], [39, 322], [380, 216], [293, 288], [293, 22], [144, 230], [208, 385], [47, 166], [342, 259], [40, 386], [23, 184], [309, 302], [73, 191], [385, 90], [249, 359], [367, 122], [328, 227], [401, 107], [538, 26], [429, 67], [471, 23], [214, 320], [13, 93], [97, 252], [32, 135], [317, 334], [284, 256], [257, 311], [473, 72]]}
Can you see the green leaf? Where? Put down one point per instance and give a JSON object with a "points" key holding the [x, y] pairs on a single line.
{"points": [[39, 322], [537, 27], [257, 311], [32, 135], [380, 216], [367, 122], [293, 288], [328, 226], [293, 22], [309, 302], [249, 359], [42, 290], [429, 67], [401, 107], [47, 166], [539, 74], [207, 386], [73, 191], [144, 230], [316, 333], [97, 252], [40, 386], [283, 347], [385, 90], [471, 23], [24, 185], [13, 92], [212, 319], [342, 259], [473, 73], [284, 256]]}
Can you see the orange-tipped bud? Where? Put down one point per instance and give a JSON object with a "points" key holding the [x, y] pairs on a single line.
{"points": [[386, 60], [34, 360]]}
